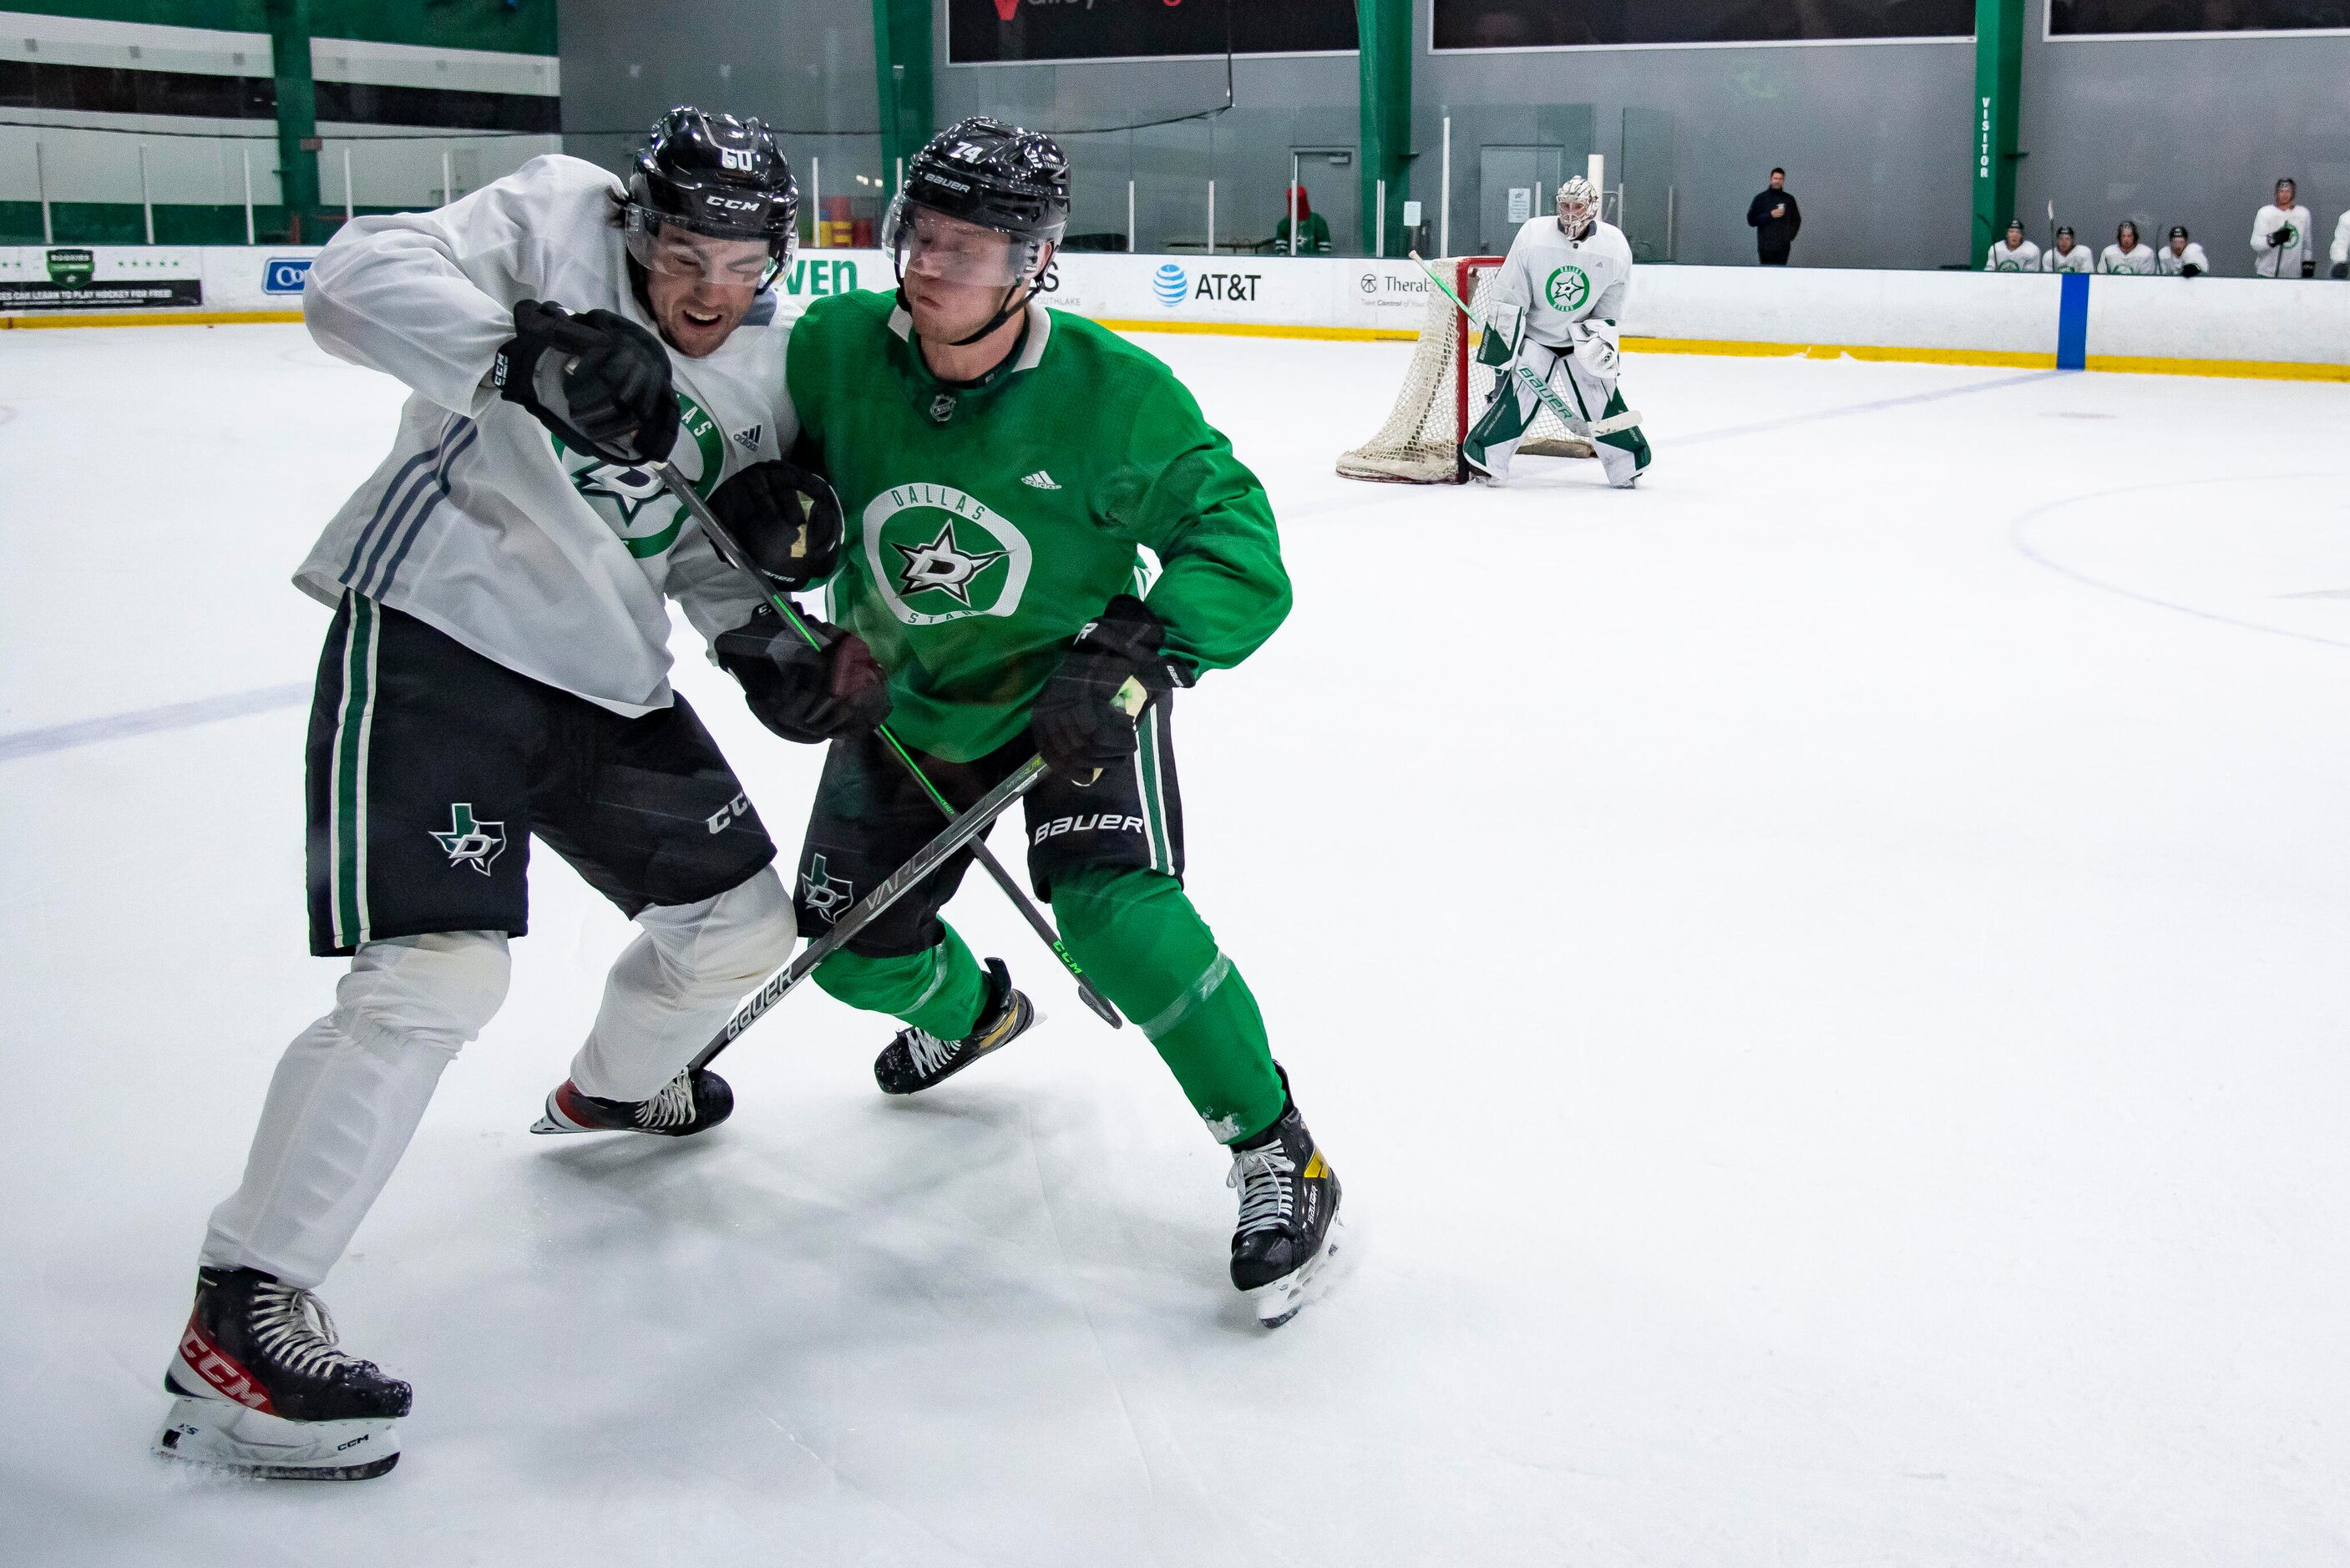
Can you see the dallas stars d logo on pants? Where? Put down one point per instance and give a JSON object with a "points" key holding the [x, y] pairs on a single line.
{"points": [[471, 843]]}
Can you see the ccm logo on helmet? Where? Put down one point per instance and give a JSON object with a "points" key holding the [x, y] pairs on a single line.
{"points": [[1101, 822]]}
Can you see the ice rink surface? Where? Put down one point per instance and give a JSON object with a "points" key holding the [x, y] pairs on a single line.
{"points": [[1823, 978]]}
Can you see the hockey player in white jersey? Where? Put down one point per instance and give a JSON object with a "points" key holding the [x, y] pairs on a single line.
{"points": [[2127, 256], [2339, 253], [2013, 253], [495, 671], [2067, 254], [2281, 236], [2180, 257], [1553, 308]]}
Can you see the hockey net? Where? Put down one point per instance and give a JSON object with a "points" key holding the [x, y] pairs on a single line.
{"points": [[1444, 392]]}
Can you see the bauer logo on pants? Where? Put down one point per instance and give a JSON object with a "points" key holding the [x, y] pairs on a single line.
{"points": [[471, 843]]}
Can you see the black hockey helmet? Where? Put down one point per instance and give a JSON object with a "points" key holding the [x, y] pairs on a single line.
{"points": [[989, 175], [715, 175], [996, 175], [2179, 232]]}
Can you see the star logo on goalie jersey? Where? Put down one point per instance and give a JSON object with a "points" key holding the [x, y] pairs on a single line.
{"points": [[1567, 287], [939, 565], [469, 842]]}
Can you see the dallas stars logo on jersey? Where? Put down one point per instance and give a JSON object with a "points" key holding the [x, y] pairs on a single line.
{"points": [[1567, 287], [632, 499], [937, 555], [469, 842]]}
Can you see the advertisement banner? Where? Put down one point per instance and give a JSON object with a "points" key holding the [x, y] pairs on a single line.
{"points": [[84, 277]]}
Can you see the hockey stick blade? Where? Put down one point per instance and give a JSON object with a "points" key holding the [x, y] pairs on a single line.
{"points": [[924, 861], [722, 539]]}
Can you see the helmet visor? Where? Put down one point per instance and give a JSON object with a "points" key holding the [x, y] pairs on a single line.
{"points": [[929, 243], [662, 244]]}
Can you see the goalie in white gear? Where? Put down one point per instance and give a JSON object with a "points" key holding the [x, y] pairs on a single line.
{"points": [[1552, 310]]}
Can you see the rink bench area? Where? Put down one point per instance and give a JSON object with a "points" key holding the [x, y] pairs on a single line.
{"points": [[2291, 329]]}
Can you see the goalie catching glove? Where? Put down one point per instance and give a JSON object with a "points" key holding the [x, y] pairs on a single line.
{"points": [[600, 382], [1084, 719], [804, 693]]}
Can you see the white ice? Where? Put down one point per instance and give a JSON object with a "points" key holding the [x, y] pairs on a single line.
{"points": [[1823, 977]]}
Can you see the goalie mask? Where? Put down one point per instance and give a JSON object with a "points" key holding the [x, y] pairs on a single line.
{"points": [[984, 203], [1578, 207]]}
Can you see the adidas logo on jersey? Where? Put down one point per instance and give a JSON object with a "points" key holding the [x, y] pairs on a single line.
{"points": [[749, 440], [1039, 479]]}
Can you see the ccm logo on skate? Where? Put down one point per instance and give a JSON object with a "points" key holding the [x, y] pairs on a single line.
{"points": [[1101, 822], [207, 1361], [735, 810]]}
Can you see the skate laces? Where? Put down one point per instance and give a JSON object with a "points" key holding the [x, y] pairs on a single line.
{"points": [[1261, 1176], [930, 1052], [673, 1107], [293, 1326]]}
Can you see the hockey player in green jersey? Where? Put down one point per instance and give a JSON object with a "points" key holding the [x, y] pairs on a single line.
{"points": [[1000, 467]]}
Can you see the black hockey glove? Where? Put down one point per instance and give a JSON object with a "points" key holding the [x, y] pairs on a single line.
{"points": [[1084, 719], [799, 692], [2342, 269], [786, 520], [600, 382], [2277, 237], [2190, 270], [2309, 266]]}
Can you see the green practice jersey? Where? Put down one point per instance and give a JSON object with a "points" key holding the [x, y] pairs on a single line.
{"points": [[987, 524]]}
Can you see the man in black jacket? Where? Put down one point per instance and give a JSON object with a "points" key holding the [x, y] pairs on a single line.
{"points": [[1774, 218]]}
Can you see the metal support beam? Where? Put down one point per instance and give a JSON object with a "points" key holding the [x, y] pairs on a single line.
{"points": [[901, 68], [1383, 34], [298, 115], [1999, 74]]}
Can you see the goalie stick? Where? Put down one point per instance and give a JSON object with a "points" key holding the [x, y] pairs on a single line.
{"points": [[724, 543], [1576, 424]]}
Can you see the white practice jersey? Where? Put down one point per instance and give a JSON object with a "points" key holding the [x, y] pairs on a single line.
{"points": [[2024, 257], [2135, 262], [2172, 264], [2077, 259], [2284, 260], [549, 562], [2341, 251], [1562, 281]]}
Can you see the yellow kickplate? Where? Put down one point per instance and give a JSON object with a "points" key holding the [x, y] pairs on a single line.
{"points": [[1316, 1167]]}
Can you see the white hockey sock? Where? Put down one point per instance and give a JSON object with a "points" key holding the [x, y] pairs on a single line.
{"points": [[347, 1096], [678, 981]]}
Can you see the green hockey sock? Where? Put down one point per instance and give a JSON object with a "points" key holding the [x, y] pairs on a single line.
{"points": [[940, 988], [1147, 948]]}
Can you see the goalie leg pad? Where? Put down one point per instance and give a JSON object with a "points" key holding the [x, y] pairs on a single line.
{"points": [[1493, 441]]}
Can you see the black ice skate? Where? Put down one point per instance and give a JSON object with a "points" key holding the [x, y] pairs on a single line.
{"points": [[261, 1387], [917, 1058], [1289, 1215], [695, 1101]]}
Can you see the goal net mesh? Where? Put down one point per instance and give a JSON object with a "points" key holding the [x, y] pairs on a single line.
{"points": [[1444, 393]]}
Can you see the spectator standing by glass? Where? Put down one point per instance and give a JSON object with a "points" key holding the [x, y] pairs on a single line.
{"points": [[2339, 254], [2182, 257], [2126, 257], [2281, 236], [2013, 254], [1774, 218], [2067, 254]]}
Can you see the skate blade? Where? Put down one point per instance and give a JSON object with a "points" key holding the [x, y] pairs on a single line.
{"points": [[1278, 1301], [546, 1124], [229, 1438]]}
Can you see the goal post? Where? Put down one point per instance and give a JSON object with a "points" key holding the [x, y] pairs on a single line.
{"points": [[1443, 391]]}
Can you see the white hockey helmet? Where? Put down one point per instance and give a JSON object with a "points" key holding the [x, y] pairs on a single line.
{"points": [[1578, 205]]}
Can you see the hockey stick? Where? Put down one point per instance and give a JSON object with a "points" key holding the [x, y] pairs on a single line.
{"points": [[1577, 425], [926, 859], [730, 551]]}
